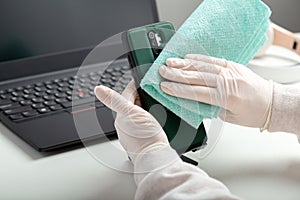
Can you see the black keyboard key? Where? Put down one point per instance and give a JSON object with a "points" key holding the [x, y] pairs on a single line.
{"points": [[43, 110], [87, 85], [28, 96], [127, 75], [69, 98], [124, 81], [71, 87], [28, 91], [111, 84], [106, 76], [25, 102], [50, 92], [37, 105], [39, 84], [49, 97], [116, 69], [74, 77], [114, 78], [83, 85], [117, 74], [56, 107], [103, 80], [83, 93], [65, 79], [126, 68], [50, 103], [61, 100], [63, 89], [127, 79], [63, 84], [16, 99], [91, 87], [109, 70], [71, 82], [69, 93], [82, 90], [91, 93], [51, 87], [60, 95], [92, 74], [56, 81], [10, 90], [2, 92], [107, 84], [40, 94], [37, 100], [17, 110], [48, 83], [5, 96], [16, 117], [30, 113], [20, 88], [75, 87], [28, 87], [94, 78], [40, 89], [82, 80], [9, 106], [67, 104], [94, 83]]}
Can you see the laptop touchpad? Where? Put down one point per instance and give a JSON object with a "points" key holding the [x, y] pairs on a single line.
{"points": [[92, 122]]}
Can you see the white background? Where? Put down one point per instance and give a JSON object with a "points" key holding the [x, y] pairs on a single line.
{"points": [[285, 12]]}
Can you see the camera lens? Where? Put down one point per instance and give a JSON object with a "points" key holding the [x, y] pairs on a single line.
{"points": [[151, 35], [153, 43]]}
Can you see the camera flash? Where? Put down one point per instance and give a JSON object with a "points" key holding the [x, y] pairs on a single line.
{"points": [[158, 40]]}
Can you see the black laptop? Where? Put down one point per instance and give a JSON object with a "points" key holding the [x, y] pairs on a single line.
{"points": [[42, 45]]}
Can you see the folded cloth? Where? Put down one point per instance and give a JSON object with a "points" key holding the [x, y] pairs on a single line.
{"points": [[230, 29]]}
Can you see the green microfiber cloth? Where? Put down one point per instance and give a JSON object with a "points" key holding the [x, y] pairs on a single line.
{"points": [[230, 29]]}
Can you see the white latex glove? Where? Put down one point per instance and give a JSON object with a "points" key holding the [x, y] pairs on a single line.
{"points": [[245, 97], [138, 130]]}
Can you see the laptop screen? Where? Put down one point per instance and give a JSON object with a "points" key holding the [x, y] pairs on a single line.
{"points": [[34, 27]]}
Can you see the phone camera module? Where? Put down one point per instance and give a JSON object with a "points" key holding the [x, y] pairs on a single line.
{"points": [[155, 39]]}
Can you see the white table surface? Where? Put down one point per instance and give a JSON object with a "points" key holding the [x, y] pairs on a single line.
{"points": [[253, 165]]}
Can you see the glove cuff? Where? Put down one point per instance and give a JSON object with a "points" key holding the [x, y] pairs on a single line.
{"points": [[285, 115], [269, 109]]}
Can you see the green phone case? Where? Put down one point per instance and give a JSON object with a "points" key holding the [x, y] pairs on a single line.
{"points": [[181, 135]]}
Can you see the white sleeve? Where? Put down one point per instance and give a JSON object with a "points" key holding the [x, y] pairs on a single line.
{"points": [[167, 177], [285, 114]]}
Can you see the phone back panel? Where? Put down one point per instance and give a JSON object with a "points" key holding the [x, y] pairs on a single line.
{"points": [[181, 135]]}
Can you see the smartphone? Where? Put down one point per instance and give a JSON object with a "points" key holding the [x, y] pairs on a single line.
{"points": [[144, 45]]}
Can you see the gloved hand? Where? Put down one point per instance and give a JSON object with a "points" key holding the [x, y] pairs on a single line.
{"points": [[245, 98], [138, 131]]}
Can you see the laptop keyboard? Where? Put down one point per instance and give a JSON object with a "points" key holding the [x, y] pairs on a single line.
{"points": [[31, 101]]}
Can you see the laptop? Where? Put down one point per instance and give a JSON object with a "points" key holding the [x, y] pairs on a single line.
{"points": [[42, 46]]}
